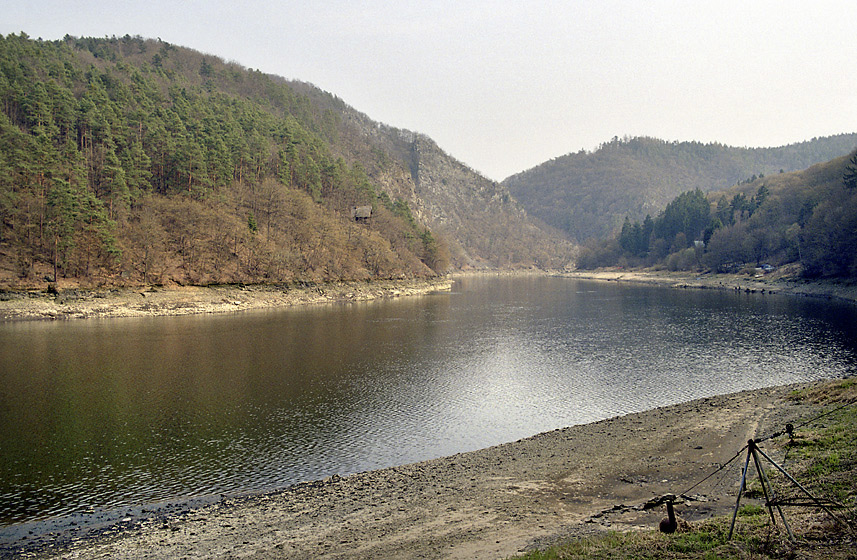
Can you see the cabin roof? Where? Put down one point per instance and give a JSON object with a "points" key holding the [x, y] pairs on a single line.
{"points": [[361, 212]]}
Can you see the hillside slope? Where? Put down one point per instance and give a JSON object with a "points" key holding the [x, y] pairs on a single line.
{"points": [[589, 194], [804, 219], [125, 160], [484, 224], [807, 217]]}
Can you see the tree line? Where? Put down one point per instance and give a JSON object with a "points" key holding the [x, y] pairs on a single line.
{"points": [[131, 160], [588, 194], [807, 217]]}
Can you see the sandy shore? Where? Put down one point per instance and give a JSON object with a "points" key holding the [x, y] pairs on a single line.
{"points": [[780, 282], [485, 504], [151, 301]]}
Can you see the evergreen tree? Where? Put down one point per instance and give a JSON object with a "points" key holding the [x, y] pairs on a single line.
{"points": [[850, 175], [687, 215]]}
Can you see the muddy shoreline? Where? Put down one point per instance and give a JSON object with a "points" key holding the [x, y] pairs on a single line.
{"points": [[785, 281], [149, 301], [490, 503], [77, 303]]}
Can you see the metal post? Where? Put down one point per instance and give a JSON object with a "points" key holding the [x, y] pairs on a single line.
{"points": [[740, 491], [763, 478], [805, 491]]}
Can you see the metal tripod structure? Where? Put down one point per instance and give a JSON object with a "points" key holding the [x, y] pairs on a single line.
{"points": [[770, 498]]}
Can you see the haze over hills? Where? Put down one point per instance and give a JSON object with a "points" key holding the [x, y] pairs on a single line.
{"points": [[479, 215], [589, 194], [126, 160]]}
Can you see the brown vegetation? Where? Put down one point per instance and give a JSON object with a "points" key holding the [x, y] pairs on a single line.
{"points": [[133, 161]]}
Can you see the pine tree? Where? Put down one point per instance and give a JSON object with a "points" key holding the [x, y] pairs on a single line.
{"points": [[850, 176]]}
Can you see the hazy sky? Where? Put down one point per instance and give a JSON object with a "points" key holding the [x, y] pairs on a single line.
{"points": [[504, 86]]}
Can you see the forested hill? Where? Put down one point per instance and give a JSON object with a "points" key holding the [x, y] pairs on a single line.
{"points": [[126, 160], [805, 221], [479, 217], [589, 194]]}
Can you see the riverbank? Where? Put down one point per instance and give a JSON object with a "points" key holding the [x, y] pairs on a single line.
{"points": [[73, 303], [784, 281], [78, 303], [490, 503]]}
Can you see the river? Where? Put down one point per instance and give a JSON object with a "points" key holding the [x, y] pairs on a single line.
{"points": [[107, 414]]}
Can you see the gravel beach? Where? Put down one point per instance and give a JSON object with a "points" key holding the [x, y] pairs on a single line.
{"points": [[485, 504], [489, 504], [786, 280]]}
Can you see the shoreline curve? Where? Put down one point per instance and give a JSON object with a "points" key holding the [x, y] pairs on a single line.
{"points": [[489, 503], [152, 301]]}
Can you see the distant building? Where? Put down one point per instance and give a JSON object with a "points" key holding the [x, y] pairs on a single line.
{"points": [[361, 213]]}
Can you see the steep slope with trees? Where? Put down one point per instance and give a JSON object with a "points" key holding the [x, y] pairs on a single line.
{"points": [[806, 217], [125, 160], [480, 220], [589, 194]]}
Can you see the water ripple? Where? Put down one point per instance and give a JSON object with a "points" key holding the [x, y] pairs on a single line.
{"points": [[124, 413]]}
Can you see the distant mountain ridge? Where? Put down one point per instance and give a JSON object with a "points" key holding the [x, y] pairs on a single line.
{"points": [[485, 224], [589, 194]]}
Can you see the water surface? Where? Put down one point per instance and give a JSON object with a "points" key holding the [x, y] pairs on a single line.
{"points": [[110, 413]]}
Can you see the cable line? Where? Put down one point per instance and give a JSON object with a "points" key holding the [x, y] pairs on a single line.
{"points": [[810, 421], [723, 466]]}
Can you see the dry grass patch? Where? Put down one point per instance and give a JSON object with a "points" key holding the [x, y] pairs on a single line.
{"points": [[822, 456]]}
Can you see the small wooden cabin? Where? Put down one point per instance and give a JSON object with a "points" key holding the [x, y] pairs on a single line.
{"points": [[361, 213]]}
